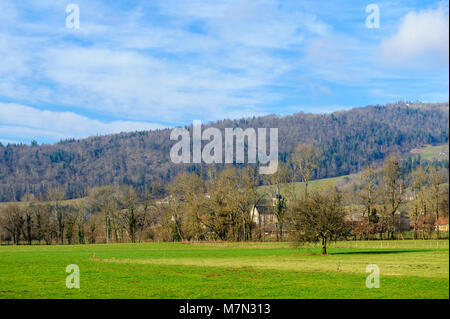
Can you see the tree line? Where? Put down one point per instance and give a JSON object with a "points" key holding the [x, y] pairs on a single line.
{"points": [[382, 195], [221, 207]]}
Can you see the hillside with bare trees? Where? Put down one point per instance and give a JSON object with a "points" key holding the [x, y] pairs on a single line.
{"points": [[349, 140]]}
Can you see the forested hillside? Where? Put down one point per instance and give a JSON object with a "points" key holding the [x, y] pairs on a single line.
{"points": [[349, 140]]}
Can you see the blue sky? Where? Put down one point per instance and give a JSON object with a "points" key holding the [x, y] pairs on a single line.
{"points": [[135, 65]]}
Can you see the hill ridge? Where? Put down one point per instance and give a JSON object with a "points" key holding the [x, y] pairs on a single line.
{"points": [[349, 139]]}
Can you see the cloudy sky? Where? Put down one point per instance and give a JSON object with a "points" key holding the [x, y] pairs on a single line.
{"points": [[135, 65]]}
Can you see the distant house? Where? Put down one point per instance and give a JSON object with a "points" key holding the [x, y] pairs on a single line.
{"points": [[263, 215], [409, 196], [442, 224]]}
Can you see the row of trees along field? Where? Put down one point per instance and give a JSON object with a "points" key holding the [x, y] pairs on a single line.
{"points": [[220, 207]]}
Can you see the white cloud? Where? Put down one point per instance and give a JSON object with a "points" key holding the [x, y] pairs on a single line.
{"points": [[33, 124], [248, 23], [422, 40], [172, 61], [340, 59], [132, 85], [134, 69]]}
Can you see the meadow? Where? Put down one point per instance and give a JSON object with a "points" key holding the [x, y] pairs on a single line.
{"points": [[408, 269], [299, 187], [430, 152]]}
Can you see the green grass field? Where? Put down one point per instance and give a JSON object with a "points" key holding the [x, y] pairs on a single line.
{"points": [[430, 152], [408, 269]]}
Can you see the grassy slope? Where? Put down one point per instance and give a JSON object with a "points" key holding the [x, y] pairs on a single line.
{"points": [[300, 186], [270, 270], [428, 152], [432, 152], [63, 202]]}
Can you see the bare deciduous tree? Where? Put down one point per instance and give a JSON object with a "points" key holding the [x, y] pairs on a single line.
{"points": [[306, 161], [391, 191], [320, 217]]}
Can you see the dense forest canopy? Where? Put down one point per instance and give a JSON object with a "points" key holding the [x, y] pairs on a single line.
{"points": [[349, 140]]}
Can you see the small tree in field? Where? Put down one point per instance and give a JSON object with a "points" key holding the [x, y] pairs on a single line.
{"points": [[318, 217]]}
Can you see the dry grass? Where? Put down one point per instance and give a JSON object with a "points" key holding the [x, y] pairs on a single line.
{"points": [[392, 262]]}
